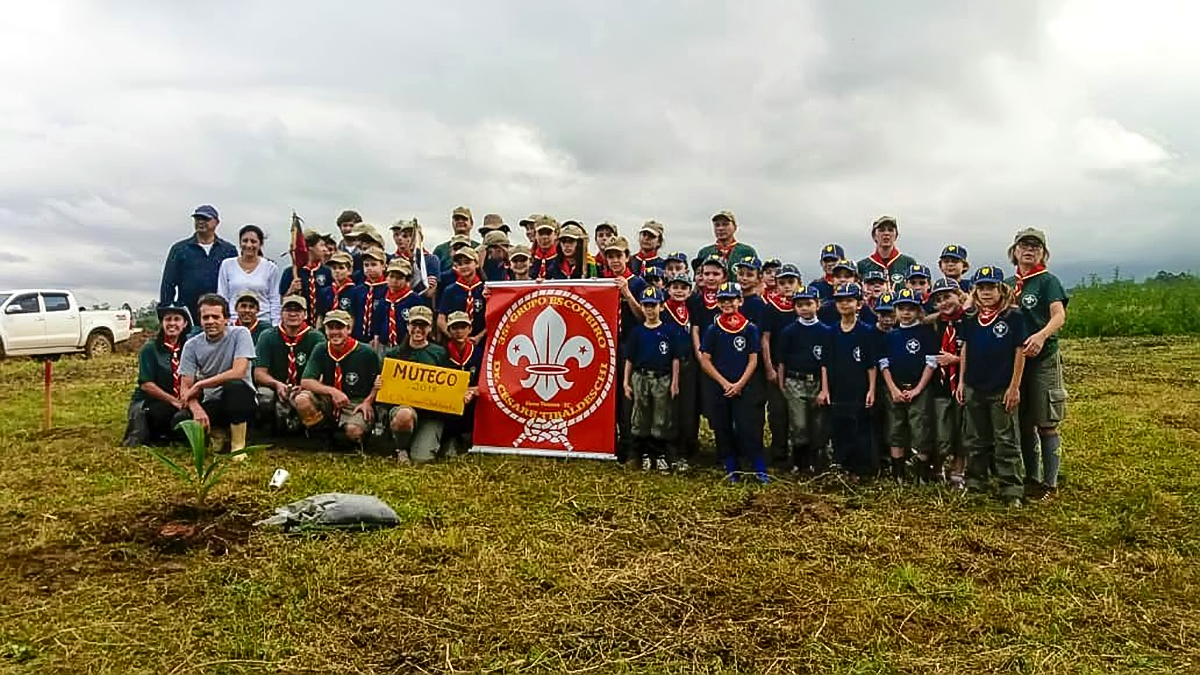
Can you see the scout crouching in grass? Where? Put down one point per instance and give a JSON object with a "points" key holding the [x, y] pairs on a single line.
{"points": [[851, 367], [373, 288], [391, 311], [651, 383], [417, 434], [908, 362], [729, 356], [464, 355], [990, 385], [246, 306], [156, 399], [1043, 303], [881, 412], [675, 314], [947, 413], [282, 355], [803, 380], [778, 315], [216, 385], [630, 287], [465, 295], [342, 293], [339, 382]]}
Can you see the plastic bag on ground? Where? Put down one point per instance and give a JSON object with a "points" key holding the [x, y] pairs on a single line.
{"points": [[333, 511]]}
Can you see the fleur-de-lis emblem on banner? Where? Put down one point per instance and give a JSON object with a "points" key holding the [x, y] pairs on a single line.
{"points": [[548, 351]]}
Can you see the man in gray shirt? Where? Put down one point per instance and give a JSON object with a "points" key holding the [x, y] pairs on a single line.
{"points": [[216, 378]]}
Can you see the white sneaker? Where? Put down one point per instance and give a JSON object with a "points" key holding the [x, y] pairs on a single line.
{"points": [[681, 465], [647, 464], [402, 457], [661, 465]]}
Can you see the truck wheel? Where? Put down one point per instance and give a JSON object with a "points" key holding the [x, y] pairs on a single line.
{"points": [[98, 344]]}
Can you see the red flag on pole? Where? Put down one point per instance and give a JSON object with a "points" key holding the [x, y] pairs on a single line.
{"points": [[299, 246]]}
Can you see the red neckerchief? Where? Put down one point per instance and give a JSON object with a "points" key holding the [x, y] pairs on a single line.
{"points": [[949, 374], [829, 279], [470, 308], [543, 256], [460, 355], [567, 266], [369, 303], [176, 348], [351, 343], [678, 311], [601, 263], [724, 251], [393, 298], [643, 257], [988, 316], [732, 323], [885, 264], [1040, 268], [627, 273], [709, 297], [290, 343], [312, 267], [407, 255]]}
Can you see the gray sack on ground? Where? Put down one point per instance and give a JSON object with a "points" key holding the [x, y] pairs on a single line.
{"points": [[333, 510]]}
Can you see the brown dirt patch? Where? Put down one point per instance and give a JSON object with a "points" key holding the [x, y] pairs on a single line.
{"points": [[785, 505], [178, 529]]}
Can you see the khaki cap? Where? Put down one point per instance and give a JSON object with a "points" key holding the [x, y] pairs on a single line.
{"points": [[653, 227], [530, 219], [495, 238], [459, 240], [343, 258], [247, 295], [727, 215], [572, 230], [361, 229], [338, 316], [467, 252], [400, 265], [518, 251], [294, 300], [375, 254], [462, 211], [617, 244], [455, 317], [546, 223], [404, 225], [609, 226], [1028, 233], [492, 221], [884, 220], [420, 313]]}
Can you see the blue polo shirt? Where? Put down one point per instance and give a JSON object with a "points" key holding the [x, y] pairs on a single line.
{"points": [[190, 272], [803, 348], [730, 350], [702, 313], [755, 309], [991, 350], [653, 349], [828, 313], [463, 297], [851, 354], [347, 298], [908, 350], [382, 315]]}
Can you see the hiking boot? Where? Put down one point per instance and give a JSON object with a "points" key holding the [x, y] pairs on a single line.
{"points": [[402, 457], [647, 464], [1033, 490], [681, 465]]}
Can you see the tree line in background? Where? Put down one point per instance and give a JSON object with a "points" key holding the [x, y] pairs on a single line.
{"points": [[1167, 303]]}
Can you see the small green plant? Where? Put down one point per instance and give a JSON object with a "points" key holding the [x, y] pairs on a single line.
{"points": [[207, 468]]}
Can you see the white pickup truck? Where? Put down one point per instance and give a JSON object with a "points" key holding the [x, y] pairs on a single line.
{"points": [[49, 322]]}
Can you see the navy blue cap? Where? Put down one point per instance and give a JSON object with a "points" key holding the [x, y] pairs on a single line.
{"points": [[206, 211], [713, 259], [651, 296], [832, 252], [875, 275], [944, 284], [906, 296], [749, 261], [653, 271], [729, 289], [954, 251], [844, 264], [850, 290], [988, 274], [884, 303], [173, 308], [917, 270], [772, 262], [677, 255], [805, 293], [788, 270], [681, 278]]}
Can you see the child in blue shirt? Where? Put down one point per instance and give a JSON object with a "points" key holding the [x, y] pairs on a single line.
{"points": [[908, 362], [465, 295], [989, 385], [749, 277], [729, 357], [651, 383], [372, 289], [677, 316], [780, 313], [390, 315], [882, 410], [823, 287], [851, 367], [803, 380]]}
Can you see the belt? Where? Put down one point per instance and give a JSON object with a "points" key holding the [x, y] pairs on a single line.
{"points": [[647, 371], [807, 377]]}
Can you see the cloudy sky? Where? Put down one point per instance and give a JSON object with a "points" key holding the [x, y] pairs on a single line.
{"points": [[965, 118]]}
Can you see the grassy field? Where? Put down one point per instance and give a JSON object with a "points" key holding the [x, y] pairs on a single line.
{"points": [[508, 565]]}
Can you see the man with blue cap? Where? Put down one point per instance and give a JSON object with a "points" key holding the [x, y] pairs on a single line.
{"points": [[193, 264]]}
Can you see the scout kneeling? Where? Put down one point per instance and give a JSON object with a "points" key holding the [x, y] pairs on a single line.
{"points": [[651, 381], [282, 356], [804, 380], [993, 360], [339, 381], [417, 434]]}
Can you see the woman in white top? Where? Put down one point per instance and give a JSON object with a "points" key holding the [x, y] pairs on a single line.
{"points": [[251, 271]]}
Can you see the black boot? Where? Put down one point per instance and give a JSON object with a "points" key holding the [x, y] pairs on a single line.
{"points": [[137, 430], [898, 469]]}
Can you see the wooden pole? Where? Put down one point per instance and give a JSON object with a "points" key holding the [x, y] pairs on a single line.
{"points": [[49, 376]]}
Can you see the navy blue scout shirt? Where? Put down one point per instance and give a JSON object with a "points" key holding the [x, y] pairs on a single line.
{"points": [[755, 309], [775, 319], [703, 310], [323, 278], [653, 349], [467, 357], [346, 297], [828, 313], [189, 272], [851, 353], [677, 317], [907, 351], [392, 313], [629, 320], [368, 294], [991, 349], [463, 297], [730, 350], [803, 347], [637, 264]]}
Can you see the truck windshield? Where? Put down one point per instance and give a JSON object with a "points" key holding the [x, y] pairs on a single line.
{"points": [[4, 296]]}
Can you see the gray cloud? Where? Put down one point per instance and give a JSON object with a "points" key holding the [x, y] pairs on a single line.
{"points": [[808, 119]]}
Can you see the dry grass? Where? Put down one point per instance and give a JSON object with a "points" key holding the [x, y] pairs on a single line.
{"points": [[508, 565]]}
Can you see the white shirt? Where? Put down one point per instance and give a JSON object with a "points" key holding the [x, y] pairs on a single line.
{"points": [[264, 281]]}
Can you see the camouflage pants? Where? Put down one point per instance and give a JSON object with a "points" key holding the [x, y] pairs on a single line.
{"points": [[806, 420], [652, 406]]}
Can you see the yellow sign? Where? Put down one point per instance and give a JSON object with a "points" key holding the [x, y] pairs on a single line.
{"points": [[421, 386]]}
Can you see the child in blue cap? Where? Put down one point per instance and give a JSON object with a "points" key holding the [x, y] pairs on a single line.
{"points": [[749, 278], [729, 356], [844, 272], [851, 366], [677, 315], [881, 412], [780, 313], [830, 255], [908, 362], [651, 382], [953, 265], [948, 297], [803, 380]]}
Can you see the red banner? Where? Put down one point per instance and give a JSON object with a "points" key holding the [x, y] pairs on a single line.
{"points": [[549, 376]]}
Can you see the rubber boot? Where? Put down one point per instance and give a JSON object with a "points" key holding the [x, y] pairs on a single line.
{"points": [[760, 471], [137, 430], [731, 468], [898, 469], [237, 440]]}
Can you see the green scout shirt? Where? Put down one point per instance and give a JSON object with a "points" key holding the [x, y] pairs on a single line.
{"points": [[273, 351], [429, 355], [1038, 292], [736, 253], [360, 367], [442, 251], [154, 365], [258, 330], [896, 269]]}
